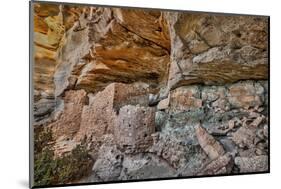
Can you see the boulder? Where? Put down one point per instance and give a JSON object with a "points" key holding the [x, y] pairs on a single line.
{"points": [[145, 167], [108, 165], [208, 143], [221, 165], [252, 164]]}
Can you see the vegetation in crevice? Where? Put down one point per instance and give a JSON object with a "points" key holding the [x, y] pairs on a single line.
{"points": [[51, 170]]}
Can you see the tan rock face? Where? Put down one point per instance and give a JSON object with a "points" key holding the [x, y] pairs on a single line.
{"points": [[89, 48], [50, 24], [120, 55], [213, 49], [245, 95], [185, 98], [164, 104], [123, 51], [155, 30], [155, 93]]}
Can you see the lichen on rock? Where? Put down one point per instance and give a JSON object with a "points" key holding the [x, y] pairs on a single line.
{"points": [[154, 93]]}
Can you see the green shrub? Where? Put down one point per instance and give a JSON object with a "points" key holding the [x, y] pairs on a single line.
{"points": [[49, 170], [42, 137]]}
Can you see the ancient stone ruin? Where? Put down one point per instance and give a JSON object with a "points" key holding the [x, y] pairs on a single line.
{"points": [[151, 94], [134, 126]]}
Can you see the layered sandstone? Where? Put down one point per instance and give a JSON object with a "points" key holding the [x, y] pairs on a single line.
{"points": [[154, 93], [202, 43]]}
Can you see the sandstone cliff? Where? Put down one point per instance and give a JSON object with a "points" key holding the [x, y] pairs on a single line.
{"points": [[156, 93]]}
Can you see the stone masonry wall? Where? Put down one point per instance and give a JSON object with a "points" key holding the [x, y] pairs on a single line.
{"points": [[156, 93]]}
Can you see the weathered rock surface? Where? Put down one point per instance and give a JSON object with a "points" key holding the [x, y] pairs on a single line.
{"points": [[145, 167], [211, 147], [246, 94], [45, 109], [252, 164], [203, 43], [80, 48], [177, 143], [185, 98], [134, 126], [164, 104], [156, 94], [48, 31], [102, 114], [108, 166], [98, 116], [122, 53], [51, 22], [63, 146], [68, 123], [216, 102], [221, 165]]}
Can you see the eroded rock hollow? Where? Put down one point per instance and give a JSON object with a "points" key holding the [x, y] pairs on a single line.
{"points": [[152, 94]]}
